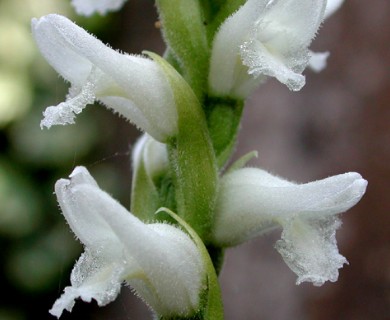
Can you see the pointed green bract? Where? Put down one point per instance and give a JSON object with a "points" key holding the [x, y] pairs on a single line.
{"points": [[144, 195], [241, 162], [192, 157]]}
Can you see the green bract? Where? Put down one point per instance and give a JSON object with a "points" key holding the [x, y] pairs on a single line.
{"points": [[191, 155]]}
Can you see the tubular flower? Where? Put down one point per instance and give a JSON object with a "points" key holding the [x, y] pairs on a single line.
{"points": [[252, 201], [158, 260], [133, 86], [89, 7], [264, 38]]}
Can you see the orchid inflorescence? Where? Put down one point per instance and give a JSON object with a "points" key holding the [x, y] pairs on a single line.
{"points": [[187, 204]]}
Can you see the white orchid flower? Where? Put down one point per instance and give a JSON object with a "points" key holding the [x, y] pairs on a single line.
{"points": [[252, 201], [318, 60], [132, 86], [264, 38], [89, 7], [158, 260]]}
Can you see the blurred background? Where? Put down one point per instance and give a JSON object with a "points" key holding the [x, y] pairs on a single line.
{"points": [[338, 122]]}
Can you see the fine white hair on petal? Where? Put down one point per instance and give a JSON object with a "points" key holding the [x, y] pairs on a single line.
{"points": [[182, 269], [76, 201], [89, 7]]}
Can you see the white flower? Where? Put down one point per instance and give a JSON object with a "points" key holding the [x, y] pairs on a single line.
{"points": [[132, 86], [89, 7], [158, 260], [252, 201], [264, 38], [318, 59]]}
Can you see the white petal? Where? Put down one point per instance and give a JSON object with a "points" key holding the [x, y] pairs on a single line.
{"points": [[93, 277], [227, 74], [262, 63], [318, 61], [169, 259], [252, 200], [299, 19], [331, 7], [309, 248], [89, 7], [81, 202], [277, 46], [66, 47]]}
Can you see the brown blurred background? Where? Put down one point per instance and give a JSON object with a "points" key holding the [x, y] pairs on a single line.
{"points": [[338, 122]]}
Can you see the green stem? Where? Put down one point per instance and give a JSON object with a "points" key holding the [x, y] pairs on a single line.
{"points": [[184, 31]]}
